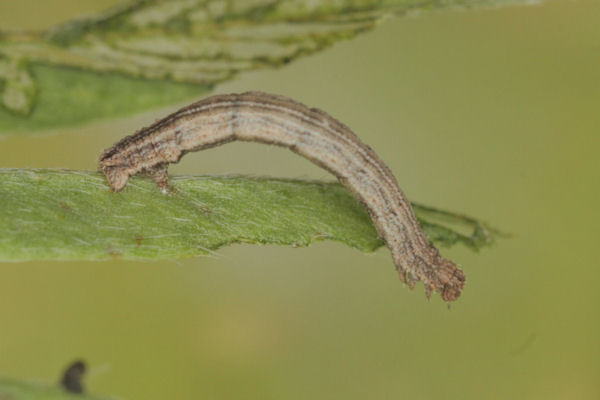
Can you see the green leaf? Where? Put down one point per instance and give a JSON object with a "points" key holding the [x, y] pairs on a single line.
{"points": [[17, 390], [72, 215], [17, 93], [67, 97], [149, 53]]}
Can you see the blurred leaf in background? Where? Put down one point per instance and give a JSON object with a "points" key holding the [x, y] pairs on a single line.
{"points": [[70, 387], [147, 53]]}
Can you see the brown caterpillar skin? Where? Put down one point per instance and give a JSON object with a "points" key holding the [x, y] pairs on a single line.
{"points": [[312, 133]]}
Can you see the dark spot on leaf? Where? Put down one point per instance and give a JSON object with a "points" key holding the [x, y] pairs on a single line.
{"points": [[113, 251], [204, 209], [139, 240], [64, 206], [71, 378]]}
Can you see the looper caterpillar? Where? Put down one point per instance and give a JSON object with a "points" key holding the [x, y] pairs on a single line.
{"points": [[310, 132]]}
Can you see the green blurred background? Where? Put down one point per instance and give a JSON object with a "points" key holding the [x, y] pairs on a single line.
{"points": [[495, 113]]}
